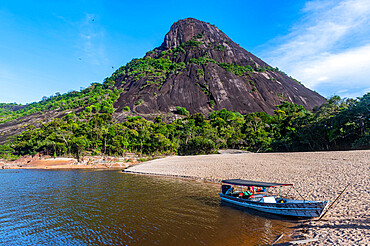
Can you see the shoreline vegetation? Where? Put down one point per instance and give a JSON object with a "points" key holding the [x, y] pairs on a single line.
{"points": [[337, 125]]}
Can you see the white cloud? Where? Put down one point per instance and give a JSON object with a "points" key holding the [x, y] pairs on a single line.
{"points": [[345, 68], [329, 49]]}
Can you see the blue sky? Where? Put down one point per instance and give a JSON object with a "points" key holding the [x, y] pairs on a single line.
{"points": [[61, 45]]}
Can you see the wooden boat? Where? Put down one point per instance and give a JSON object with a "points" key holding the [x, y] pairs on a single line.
{"points": [[260, 199]]}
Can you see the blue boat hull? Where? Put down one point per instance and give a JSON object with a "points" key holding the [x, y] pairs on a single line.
{"points": [[295, 208]]}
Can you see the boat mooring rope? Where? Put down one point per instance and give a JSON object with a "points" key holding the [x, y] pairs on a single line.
{"points": [[331, 205], [304, 199]]}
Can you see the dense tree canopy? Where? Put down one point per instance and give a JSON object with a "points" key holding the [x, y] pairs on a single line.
{"points": [[338, 124]]}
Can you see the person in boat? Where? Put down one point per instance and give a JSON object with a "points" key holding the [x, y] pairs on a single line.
{"points": [[251, 190], [246, 194]]}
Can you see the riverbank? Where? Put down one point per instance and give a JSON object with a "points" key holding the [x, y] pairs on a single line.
{"points": [[316, 175], [88, 162]]}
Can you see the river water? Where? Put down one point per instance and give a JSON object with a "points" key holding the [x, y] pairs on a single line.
{"points": [[84, 207]]}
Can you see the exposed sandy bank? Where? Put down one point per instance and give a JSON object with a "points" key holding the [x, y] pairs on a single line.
{"points": [[46, 162], [316, 175]]}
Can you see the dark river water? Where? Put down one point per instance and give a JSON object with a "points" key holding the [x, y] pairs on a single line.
{"points": [[84, 207]]}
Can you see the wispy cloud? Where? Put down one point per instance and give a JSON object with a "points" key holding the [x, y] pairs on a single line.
{"points": [[90, 41], [329, 49], [89, 37]]}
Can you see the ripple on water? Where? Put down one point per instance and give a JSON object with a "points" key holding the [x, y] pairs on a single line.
{"points": [[76, 207]]}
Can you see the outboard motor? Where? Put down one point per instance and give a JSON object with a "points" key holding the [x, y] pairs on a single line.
{"points": [[225, 188]]}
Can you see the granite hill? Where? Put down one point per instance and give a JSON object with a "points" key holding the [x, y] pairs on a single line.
{"points": [[200, 68]]}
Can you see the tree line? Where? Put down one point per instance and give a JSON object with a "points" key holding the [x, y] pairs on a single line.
{"points": [[337, 125]]}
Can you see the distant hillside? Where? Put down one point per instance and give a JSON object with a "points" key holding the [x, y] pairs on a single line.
{"points": [[97, 98]]}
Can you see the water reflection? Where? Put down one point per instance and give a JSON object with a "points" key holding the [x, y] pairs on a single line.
{"points": [[78, 207]]}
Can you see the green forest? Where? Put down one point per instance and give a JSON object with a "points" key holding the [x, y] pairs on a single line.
{"points": [[337, 125]]}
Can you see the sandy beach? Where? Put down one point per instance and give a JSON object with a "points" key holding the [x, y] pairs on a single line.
{"points": [[316, 175]]}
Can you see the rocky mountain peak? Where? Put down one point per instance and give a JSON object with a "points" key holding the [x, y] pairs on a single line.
{"points": [[188, 29], [210, 41]]}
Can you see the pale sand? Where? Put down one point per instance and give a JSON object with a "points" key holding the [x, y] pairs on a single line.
{"points": [[316, 175]]}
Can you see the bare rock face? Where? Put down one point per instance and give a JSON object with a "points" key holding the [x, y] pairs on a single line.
{"points": [[213, 39], [217, 73]]}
